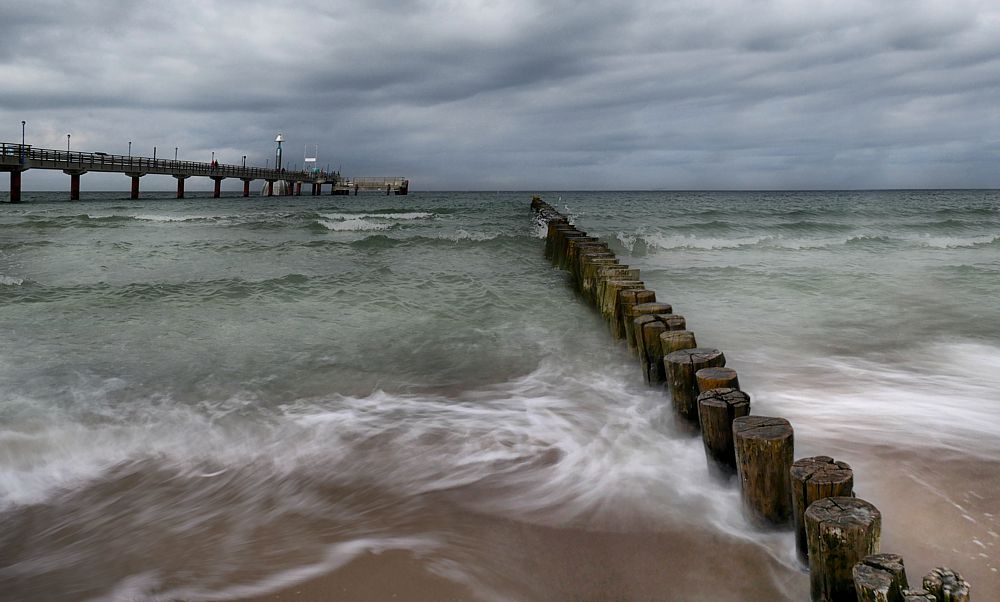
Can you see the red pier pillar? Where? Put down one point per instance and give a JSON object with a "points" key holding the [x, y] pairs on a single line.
{"points": [[135, 187], [246, 187], [74, 182], [180, 186], [217, 191], [270, 188], [15, 186]]}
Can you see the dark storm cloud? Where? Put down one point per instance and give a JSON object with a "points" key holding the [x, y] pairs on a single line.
{"points": [[525, 95]]}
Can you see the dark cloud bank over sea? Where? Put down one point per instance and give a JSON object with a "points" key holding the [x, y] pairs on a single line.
{"points": [[521, 95]]}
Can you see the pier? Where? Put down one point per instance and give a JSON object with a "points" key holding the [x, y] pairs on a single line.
{"points": [[17, 158]]}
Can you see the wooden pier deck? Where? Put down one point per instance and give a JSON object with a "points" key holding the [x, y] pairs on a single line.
{"points": [[18, 158]]}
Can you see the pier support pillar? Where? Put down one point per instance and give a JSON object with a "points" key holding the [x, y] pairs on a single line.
{"points": [[135, 184], [74, 182], [15, 185], [289, 187], [217, 190], [298, 189], [270, 188], [246, 187], [180, 185]]}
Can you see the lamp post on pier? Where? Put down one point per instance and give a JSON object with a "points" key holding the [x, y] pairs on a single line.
{"points": [[22, 142], [175, 153], [244, 161], [277, 152], [67, 143], [129, 150]]}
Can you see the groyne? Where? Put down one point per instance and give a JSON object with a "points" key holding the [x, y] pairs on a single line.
{"points": [[837, 534]]}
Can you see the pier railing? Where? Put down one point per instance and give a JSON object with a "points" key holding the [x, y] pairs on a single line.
{"points": [[28, 156]]}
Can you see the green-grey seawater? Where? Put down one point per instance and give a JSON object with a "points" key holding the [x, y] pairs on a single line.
{"points": [[218, 398]]}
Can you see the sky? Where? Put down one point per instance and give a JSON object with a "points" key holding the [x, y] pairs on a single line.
{"points": [[519, 94]]}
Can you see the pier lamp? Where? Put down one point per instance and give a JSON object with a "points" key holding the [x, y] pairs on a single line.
{"points": [[175, 153], [154, 153], [67, 143], [22, 141], [213, 156], [277, 152], [130, 149], [244, 161]]}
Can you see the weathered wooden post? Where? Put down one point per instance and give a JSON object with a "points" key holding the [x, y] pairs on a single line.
{"points": [[627, 280], [717, 409], [841, 531], [813, 479], [554, 237], [764, 451], [671, 341], [551, 234], [572, 247], [628, 299], [716, 378], [947, 585], [880, 578], [606, 274], [647, 329], [559, 259], [630, 313], [590, 275], [681, 367], [584, 257], [562, 232]]}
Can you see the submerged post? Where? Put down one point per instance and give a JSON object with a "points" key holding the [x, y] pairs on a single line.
{"points": [[880, 578], [947, 585], [246, 187]]}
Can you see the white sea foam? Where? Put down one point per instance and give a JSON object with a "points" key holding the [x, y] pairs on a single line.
{"points": [[389, 216], [10, 281], [354, 225], [177, 218], [956, 242], [946, 397]]}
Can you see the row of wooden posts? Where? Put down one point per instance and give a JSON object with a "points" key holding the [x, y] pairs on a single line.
{"points": [[836, 533]]}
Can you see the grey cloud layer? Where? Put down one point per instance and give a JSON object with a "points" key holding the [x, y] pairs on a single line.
{"points": [[524, 94]]}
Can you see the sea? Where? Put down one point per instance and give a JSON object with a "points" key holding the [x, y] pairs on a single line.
{"points": [[398, 397]]}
